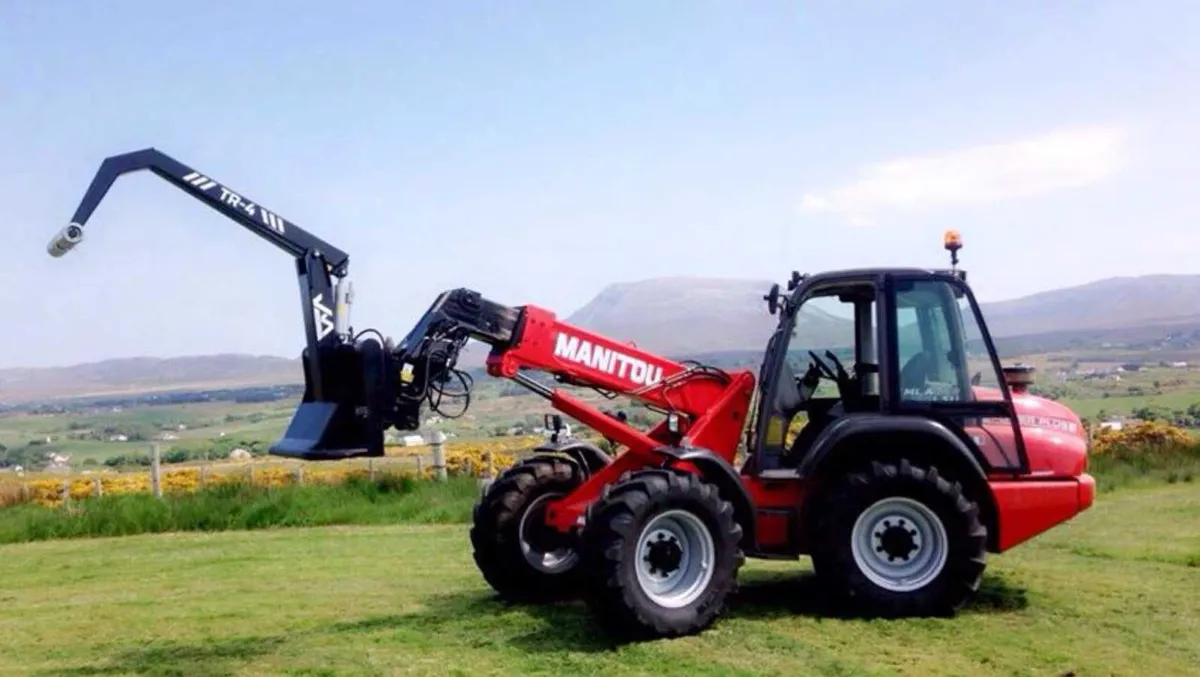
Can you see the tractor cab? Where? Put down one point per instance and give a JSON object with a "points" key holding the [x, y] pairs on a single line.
{"points": [[879, 348]]}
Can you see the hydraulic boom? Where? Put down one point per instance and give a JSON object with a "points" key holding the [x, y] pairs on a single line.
{"points": [[356, 388], [319, 264]]}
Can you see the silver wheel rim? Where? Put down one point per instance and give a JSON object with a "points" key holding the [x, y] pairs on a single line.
{"points": [[553, 562], [675, 557], [899, 544]]}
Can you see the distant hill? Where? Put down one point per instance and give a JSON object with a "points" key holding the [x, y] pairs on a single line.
{"points": [[699, 316], [143, 374], [681, 314], [1118, 302]]}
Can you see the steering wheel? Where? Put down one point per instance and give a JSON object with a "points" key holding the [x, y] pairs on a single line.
{"points": [[829, 373], [843, 375], [845, 383]]}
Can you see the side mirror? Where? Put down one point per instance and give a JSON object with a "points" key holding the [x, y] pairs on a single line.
{"points": [[795, 281], [553, 422], [977, 378], [772, 299]]}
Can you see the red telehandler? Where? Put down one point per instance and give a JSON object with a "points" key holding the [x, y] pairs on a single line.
{"points": [[913, 463]]}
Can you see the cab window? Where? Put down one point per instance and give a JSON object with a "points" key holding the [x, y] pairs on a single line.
{"points": [[931, 351]]}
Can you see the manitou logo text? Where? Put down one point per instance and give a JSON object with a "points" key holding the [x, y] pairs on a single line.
{"points": [[606, 360]]}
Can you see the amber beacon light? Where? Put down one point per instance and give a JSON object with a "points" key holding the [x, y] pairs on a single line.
{"points": [[952, 241]]}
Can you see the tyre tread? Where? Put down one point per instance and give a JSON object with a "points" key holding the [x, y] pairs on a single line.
{"points": [[494, 531], [613, 595], [843, 501]]}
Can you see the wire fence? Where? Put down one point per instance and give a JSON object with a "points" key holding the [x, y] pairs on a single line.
{"points": [[436, 461]]}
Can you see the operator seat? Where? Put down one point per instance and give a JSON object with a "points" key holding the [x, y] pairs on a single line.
{"points": [[917, 370]]}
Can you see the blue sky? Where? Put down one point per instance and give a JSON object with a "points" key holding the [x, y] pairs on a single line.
{"points": [[539, 151]]}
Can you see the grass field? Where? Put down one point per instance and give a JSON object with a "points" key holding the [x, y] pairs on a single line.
{"points": [[1117, 591]]}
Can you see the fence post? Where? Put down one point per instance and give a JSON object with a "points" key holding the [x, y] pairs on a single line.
{"points": [[155, 471], [489, 471], [299, 475], [371, 469], [203, 475], [97, 487], [65, 492], [437, 442], [420, 465]]}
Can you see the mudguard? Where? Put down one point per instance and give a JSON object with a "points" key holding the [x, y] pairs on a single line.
{"points": [[588, 456], [854, 425], [718, 471], [966, 456]]}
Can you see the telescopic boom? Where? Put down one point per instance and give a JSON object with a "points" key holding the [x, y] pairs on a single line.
{"points": [[356, 388]]}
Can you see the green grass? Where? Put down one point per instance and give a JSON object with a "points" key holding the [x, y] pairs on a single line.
{"points": [[1145, 470], [389, 500], [1090, 407], [1116, 591]]}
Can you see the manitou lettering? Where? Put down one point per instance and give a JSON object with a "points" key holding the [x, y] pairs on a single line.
{"points": [[606, 360]]}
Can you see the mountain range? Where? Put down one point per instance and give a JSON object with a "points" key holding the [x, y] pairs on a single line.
{"points": [[695, 316]]}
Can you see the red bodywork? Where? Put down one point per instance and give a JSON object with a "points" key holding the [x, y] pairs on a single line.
{"points": [[713, 413], [1058, 486]]}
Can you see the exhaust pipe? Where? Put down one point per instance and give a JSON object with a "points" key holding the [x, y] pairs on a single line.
{"points": [[1019, 377], [65, 240]]}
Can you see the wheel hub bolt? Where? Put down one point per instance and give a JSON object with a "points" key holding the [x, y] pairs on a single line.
{"points": [[663, 554], [897, 541]]}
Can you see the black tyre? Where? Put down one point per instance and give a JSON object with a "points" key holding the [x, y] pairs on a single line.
{"points": [[662, 551], [899, 540], [519, 556]]}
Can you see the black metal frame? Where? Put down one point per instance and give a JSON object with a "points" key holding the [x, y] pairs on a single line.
{"points": [[951, 413], [890, 403], [317, 261]]}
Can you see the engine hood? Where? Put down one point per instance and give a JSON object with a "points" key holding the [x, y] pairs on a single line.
{"points": [[1054, 437]]}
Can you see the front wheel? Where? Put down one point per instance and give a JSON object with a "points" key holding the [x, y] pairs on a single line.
{"points": [[899, 540], [663, 551], [521, 557]]}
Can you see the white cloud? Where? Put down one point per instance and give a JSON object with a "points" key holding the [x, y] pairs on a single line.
{"points": [[1062, 159]]}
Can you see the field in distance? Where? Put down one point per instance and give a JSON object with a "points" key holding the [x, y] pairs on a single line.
{"points": [[208, 425], [92, 432]]}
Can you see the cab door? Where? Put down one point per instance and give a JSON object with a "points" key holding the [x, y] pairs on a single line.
{"points": [[943, 365]]}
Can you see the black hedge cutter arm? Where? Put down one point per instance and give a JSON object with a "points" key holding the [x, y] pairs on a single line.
{"points": [[325, 307], [325, 292], [355, 388], [262, 222]]}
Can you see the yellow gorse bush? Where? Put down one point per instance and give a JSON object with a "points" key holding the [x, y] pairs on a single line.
{"points": [[468, 458], [1142, 439]]}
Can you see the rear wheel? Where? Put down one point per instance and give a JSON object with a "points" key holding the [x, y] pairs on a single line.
{"points": [[662, 551], [899, 540], [521, 557]]}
